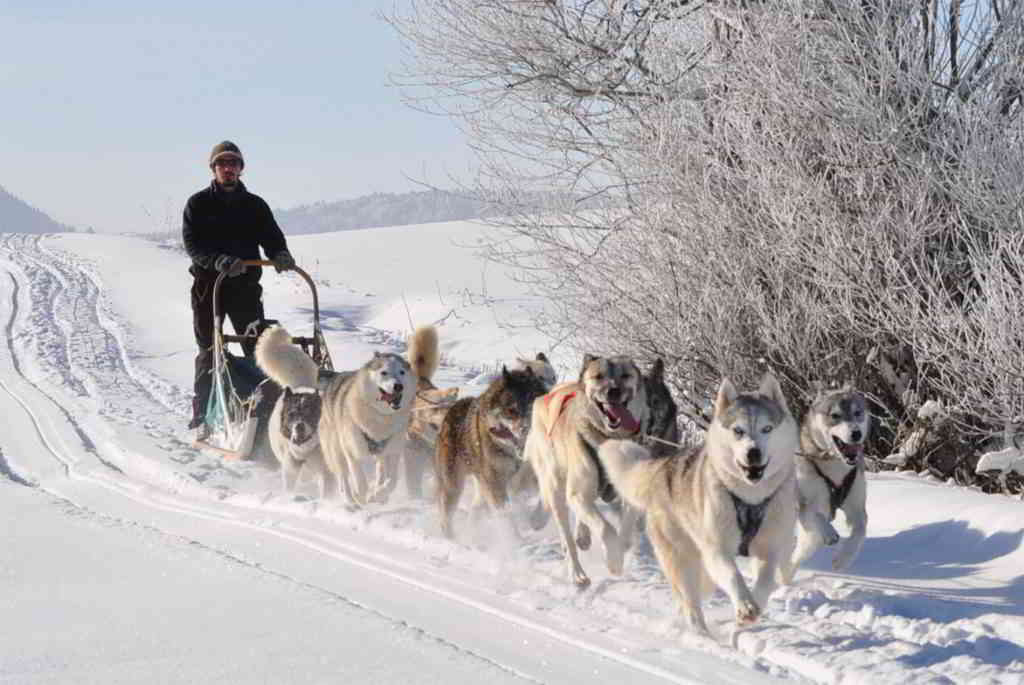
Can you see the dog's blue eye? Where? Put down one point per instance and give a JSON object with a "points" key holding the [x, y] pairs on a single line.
{"points": [[738, 431], [767, 429]]}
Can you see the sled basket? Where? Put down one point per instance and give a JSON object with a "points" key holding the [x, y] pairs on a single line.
{"points": [[242, 397]]}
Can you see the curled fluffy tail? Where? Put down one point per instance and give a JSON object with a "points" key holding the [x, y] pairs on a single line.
{"points": [[285, 363], [630, 469], [423, 352]]}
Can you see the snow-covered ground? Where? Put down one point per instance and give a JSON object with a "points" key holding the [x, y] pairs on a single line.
{"points": [[129, 556]]}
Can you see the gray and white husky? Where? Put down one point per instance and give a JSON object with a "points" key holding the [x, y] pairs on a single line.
{"points": [[830, 476], [292, 429], [735, 497], [366, 417]]}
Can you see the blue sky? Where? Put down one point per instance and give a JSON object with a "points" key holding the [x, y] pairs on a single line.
{"points": [[109, 108]]}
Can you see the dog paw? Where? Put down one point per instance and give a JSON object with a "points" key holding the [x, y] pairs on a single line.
{"points": [[616, 560], [580, 580], [747, 612], [583, 536]]}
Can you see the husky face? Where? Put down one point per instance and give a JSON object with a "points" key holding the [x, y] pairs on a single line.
{"points": [[756, 430], [614, 385], [300, 415], [840, 422], [507, 404], [393, 379]]}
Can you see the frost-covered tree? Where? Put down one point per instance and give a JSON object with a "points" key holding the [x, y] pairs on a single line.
{"points": [[829, 189]]}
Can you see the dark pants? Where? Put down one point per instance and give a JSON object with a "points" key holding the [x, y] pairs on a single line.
{"points": [[242, 302]]}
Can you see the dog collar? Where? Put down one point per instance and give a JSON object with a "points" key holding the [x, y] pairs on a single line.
{"points": [[303, 390]]}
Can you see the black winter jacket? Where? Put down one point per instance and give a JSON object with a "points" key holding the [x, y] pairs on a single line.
{"points": [[238, 224]]}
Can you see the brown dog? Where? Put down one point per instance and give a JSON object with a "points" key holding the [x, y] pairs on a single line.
{"points": [[483, 437]]}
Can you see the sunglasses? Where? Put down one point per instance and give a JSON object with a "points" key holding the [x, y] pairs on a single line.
{"points": [[228, 162]]}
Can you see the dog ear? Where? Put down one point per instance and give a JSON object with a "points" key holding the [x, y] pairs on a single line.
{"points": [[770, 388], [288, 392], [726, 396], [657, 372], [587, 358], [541, 357], [504, 372]]}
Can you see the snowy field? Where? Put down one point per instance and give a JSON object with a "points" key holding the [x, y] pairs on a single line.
{"points": [[129, 556]]}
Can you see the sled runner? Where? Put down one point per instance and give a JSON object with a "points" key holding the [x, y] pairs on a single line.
{"points": [[243, 397]]}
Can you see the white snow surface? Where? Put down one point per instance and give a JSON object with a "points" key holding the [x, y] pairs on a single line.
{"points": [[130, 557]]}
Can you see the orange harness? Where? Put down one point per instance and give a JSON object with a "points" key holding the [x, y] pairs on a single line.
{"points": [[563, 398]]}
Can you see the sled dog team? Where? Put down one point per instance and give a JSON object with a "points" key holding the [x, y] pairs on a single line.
{"points": [[760, 486]]}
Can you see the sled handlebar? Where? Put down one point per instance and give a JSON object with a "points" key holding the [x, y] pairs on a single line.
{"points": [[218, 315]]}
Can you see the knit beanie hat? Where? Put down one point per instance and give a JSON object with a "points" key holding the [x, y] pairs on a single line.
{"points": [[226, 149]]}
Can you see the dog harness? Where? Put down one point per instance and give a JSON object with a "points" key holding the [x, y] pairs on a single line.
{"points": [[375, 446], [749, 518], [837, 494], [563, 399]]}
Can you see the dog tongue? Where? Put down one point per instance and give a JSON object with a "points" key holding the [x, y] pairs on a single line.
{"points": [[852, 450], [626, 420]]}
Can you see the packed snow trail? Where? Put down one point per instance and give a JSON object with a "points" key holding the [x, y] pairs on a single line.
{"points": [[934, 598], [51, 449], [177, 611]]}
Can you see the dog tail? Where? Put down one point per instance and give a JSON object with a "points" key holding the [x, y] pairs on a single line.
{"points": [[423, 352], [285, 363], [630, 469]]}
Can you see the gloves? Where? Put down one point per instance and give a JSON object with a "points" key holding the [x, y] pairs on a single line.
{"points": [[283, 261], [231, 266]]}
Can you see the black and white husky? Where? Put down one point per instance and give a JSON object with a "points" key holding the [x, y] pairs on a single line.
{"points": [[293, 427]]}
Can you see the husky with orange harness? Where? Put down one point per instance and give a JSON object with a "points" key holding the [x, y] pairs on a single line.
{"points": [[568, 426]]}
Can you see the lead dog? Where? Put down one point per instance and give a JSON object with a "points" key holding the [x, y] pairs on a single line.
{"points": [[830, 476], [735, 497], [567, 426]]}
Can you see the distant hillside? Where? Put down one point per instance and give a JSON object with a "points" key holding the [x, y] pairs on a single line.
{"points": [[379, 209], [17, 216]]}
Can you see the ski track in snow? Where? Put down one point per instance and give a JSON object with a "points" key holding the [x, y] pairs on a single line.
{"points": [[70, 344]]}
